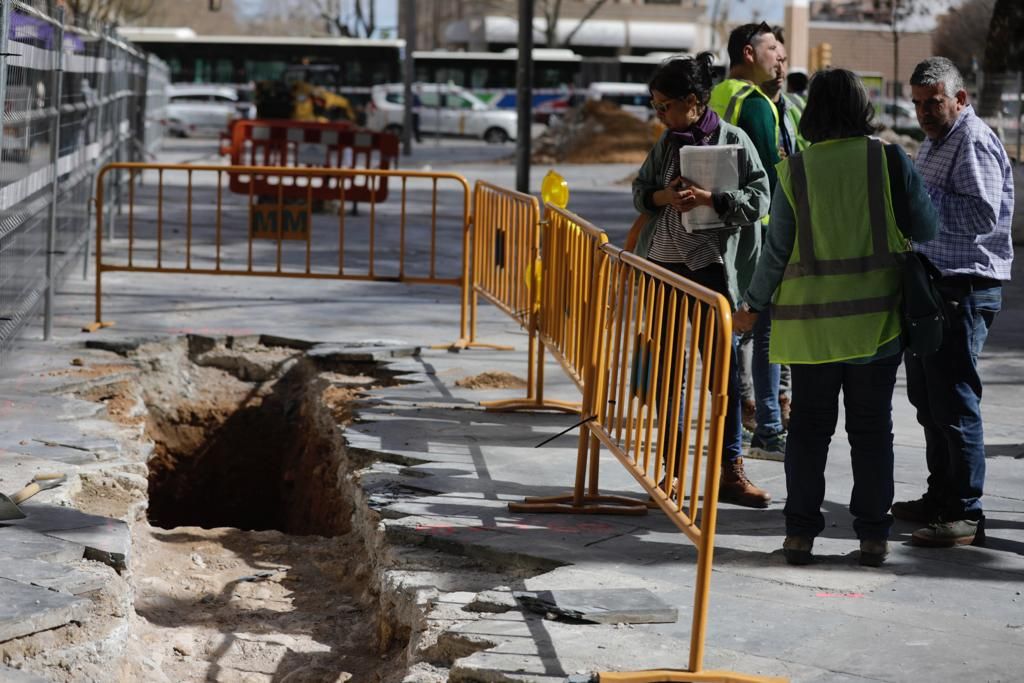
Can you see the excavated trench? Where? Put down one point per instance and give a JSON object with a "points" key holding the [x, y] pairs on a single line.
{"points": [[249, 568]]}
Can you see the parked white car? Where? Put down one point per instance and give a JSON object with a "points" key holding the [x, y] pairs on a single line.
{"points": [[445, 109], [632, 98], [204, 110], [887, 112]]}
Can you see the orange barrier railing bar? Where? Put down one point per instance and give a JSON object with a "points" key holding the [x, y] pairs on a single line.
{"points": [[300, 185], [657, 356]]}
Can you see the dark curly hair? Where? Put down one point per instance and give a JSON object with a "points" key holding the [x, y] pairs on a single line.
{"points": [[837, 107], [682, 76]]}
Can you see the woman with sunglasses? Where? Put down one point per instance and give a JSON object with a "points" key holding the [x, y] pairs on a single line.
{"points": [[721, 259]]}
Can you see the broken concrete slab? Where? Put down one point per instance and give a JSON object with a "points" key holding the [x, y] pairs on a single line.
{"points": [[25, 544], [59, 577], [106, 540], [602, 606], [26, 609], [121, 347]]}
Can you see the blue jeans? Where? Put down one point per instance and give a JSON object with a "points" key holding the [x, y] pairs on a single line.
{"points": [[766, 379], [713, 277], [867, 395], [945, 389]]}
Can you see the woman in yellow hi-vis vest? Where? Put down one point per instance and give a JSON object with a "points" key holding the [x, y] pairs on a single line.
{"points": [[842, 209]]}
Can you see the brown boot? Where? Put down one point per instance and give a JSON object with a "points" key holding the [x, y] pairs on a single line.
{"points": [[737, 489], [785, 408], [749, 414]]}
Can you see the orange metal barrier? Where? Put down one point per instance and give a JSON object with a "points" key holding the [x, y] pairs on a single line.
{"points": [[182, 221], [656, 356], [292, 144], [548, 297]]}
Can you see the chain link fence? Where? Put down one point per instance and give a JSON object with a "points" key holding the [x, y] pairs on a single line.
{"points": [[75, 97]]}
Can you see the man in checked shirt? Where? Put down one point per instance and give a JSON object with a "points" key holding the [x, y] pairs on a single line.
{"points": [[968, 177]]}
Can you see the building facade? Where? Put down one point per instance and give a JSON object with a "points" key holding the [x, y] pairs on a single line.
{"points": [[619, 27]]}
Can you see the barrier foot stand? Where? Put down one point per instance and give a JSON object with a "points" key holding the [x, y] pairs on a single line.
{"points": [[680, 676], [512, 405], [591, 505], [92, 327], [463, 344]]}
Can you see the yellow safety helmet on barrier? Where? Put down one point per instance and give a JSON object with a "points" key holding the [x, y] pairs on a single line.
{"points": [[554, 190]]}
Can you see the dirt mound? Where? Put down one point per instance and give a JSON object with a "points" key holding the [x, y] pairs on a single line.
{"points": [[597, 132], [492, 380]]}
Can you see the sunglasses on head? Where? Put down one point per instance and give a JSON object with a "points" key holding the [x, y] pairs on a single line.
{"points": [[754, 32], [662, 107]]}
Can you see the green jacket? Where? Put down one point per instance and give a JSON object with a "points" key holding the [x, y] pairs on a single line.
{"points": [[740, 245]]}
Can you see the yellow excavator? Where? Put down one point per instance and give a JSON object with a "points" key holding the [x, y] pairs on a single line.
{"points": [[305, 93]]}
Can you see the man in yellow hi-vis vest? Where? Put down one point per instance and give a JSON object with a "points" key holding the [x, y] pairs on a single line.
{"points": [[753, 59]]}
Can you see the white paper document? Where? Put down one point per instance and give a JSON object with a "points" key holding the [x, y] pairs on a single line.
{"points": [[715, 168]]}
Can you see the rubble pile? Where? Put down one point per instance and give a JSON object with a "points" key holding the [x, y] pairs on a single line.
{"points": [[597, 132]]}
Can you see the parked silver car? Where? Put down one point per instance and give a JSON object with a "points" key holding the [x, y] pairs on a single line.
{"points": [[440, 108], [204, 110]]}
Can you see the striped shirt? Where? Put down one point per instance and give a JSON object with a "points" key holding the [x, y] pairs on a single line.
{"points": [[968, 177], [671, 242]]}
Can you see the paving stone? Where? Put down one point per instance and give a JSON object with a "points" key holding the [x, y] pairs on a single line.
{"points": [[55, 407], [102, 448], [58, 577], [26, 609], [29, 545], [9, 675], [363, 352], [603, 606], [60, 454], [273, 340], [106, 540]]}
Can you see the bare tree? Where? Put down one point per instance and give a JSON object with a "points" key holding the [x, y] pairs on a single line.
{"points": [[1004, 53], [353, 19], [551, 10], [962, 32], [110, 10]]}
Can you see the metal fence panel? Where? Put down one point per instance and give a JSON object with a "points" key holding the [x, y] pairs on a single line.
{"points": [[74, 97]]}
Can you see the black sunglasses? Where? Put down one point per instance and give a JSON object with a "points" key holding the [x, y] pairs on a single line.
{"points": [[758, 30]]}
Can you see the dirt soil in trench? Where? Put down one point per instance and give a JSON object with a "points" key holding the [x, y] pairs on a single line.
{"points": [[252, 607], [230, 605]]}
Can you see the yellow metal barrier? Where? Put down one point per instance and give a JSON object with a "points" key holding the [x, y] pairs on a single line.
{"points": [[182, 221], [657, 359], [505, 247]]}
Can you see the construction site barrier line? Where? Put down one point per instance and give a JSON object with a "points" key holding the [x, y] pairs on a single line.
{"points": [[282, 212]]}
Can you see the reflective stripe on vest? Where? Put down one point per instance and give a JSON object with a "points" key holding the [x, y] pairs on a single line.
{"points": [[839, 297], [734, 104], [809, 263]]}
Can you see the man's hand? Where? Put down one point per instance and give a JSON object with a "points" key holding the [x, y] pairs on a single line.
{"points": [[743, 320]]}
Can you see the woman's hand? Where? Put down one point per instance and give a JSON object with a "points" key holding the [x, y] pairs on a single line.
{"points": [[682, 195], [670, 195], [691, 196]]}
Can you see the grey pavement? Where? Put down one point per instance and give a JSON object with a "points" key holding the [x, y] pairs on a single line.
{"points": [[447, 470]]}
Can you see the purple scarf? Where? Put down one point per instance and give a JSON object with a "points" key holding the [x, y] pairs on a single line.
{"points": [[701, 132]]}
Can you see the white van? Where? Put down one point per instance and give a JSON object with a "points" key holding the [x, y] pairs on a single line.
{"points": [[442, 108], [634, 98]]}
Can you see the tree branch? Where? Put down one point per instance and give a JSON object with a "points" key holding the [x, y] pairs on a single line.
{"points": [[590, 12]]}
